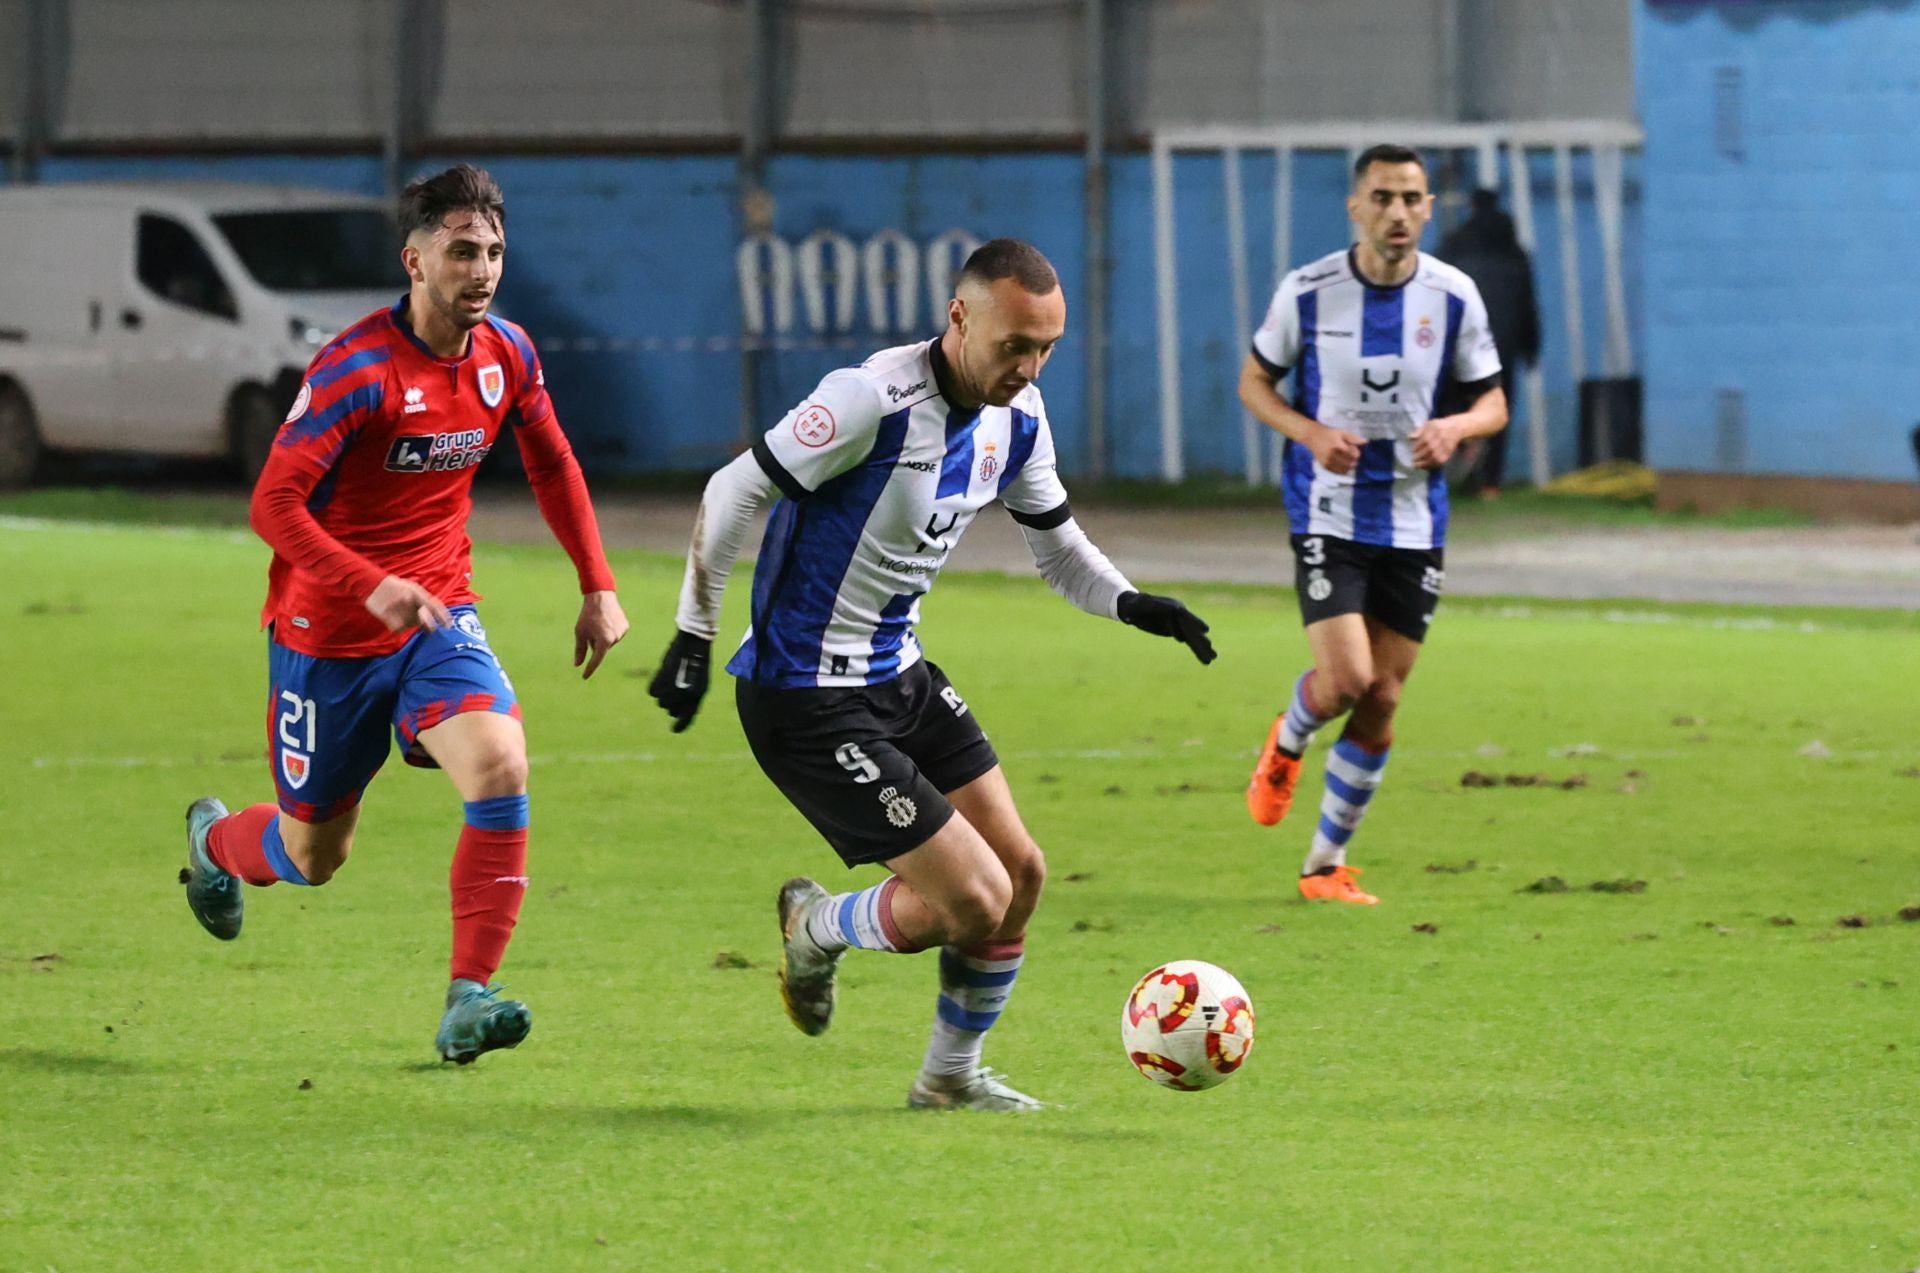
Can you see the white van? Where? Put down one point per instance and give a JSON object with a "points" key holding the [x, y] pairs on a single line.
{"points": [[174, 319]]}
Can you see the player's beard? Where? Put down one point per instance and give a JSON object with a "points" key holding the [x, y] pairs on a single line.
{"points": [[451, 310], [1394, 252]]}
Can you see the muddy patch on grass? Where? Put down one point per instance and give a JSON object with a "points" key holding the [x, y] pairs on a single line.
{"points": [[1473, 778]]}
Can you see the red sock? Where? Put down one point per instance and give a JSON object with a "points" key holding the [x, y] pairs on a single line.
{"points": [[234, 843], [489, 880]]}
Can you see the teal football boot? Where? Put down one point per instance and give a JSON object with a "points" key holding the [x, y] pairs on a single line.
{"points": [[216, 898], [478, 1022]]}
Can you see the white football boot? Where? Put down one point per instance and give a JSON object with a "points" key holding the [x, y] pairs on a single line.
{"points": [[984, 1089]]}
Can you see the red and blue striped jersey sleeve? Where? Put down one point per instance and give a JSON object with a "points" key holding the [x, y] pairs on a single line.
{"points": [[344, 388], [343, 393], [531, 404]]}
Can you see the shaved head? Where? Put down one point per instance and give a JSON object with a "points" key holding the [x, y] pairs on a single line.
{"points": [[1006, 316]]}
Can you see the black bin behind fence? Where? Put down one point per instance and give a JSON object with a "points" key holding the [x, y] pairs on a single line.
{"points": [[1609, 420]]}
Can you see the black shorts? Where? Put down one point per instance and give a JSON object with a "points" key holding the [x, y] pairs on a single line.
{"points": [[1398, 586], [868, 765]]}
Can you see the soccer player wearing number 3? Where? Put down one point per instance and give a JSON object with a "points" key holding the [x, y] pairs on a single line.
{"points": [[369, 608], [880, 473], [1372, 335]]}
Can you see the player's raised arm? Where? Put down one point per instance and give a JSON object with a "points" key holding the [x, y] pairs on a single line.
{"points": [[1074, 566], [823, 437], [560, 489]]}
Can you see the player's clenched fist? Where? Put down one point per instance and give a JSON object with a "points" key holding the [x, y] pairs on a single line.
{"points": [[681, 682], [1435, 442], [1337, 450], [402, 604]]}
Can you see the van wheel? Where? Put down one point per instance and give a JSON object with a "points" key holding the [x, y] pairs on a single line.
{"points": [[252, 422], [20, 447]]}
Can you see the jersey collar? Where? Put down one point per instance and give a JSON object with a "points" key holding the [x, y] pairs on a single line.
{"points": [[399, 316], [943, 377], [1353, 263]]}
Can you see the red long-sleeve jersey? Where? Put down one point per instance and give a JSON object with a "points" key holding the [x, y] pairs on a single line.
{"points": [[372, 475]]}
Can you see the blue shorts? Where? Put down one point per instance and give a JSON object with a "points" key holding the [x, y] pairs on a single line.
{"points": [[327, 719]]}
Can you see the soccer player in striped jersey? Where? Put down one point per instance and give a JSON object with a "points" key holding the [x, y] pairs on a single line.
{"points": [[1371, 335], [877, 475], [370, 609]]}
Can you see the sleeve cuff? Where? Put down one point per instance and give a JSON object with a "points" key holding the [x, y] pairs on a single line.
{"points": [[789, 485], [1278, 372], [1056, 516]]}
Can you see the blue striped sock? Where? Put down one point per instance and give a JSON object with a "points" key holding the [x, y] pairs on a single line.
{"points": [[975, 982], [1353, 775], [863, 919], [1299, 724]]}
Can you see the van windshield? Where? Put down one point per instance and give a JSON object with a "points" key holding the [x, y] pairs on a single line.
{"points": [[316, 250]]}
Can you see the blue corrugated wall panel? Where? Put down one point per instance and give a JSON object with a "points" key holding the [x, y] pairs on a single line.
{"points": [[622, 267]]}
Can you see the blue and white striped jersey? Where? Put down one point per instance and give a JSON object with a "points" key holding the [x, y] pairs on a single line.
{"points": [[1372, 360], [880, 476]]}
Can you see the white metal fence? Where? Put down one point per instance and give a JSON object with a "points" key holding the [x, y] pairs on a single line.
{"points": [[1486, 144]]}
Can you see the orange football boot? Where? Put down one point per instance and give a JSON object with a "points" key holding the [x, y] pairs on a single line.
{"points": [[1336, 886], [1270, 790]]}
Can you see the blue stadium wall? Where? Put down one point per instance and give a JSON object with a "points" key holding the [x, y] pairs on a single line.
{"points": [[1781, 170], [638, 253]]}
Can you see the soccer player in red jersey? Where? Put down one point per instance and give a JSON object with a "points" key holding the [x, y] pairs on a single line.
{"points": [[370, 612]]}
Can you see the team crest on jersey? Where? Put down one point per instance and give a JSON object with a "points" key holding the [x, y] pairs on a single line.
{"points": [[1424, 337], [493, 384], [300, 401], [990, 464], [295, 767], [814, 426]]}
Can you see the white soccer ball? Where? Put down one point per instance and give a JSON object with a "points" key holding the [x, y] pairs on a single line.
{"points": [[1187, 1025]]}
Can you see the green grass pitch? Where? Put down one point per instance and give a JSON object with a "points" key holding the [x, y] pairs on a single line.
{"points": [[1673, 1078]]}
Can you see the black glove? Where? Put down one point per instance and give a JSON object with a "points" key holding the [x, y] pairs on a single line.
{"points": [[681, 682], [1163, 616]]}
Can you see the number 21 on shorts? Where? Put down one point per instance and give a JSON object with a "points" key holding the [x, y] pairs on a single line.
{"points": [[300, 711], [298, 730]]}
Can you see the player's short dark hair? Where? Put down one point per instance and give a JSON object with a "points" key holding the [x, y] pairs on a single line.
{"points": [[1011, 258], [463, 187], [1386, 153]]}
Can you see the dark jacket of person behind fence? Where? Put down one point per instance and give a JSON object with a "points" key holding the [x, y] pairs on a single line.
{"points": [[1486, 248]]}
